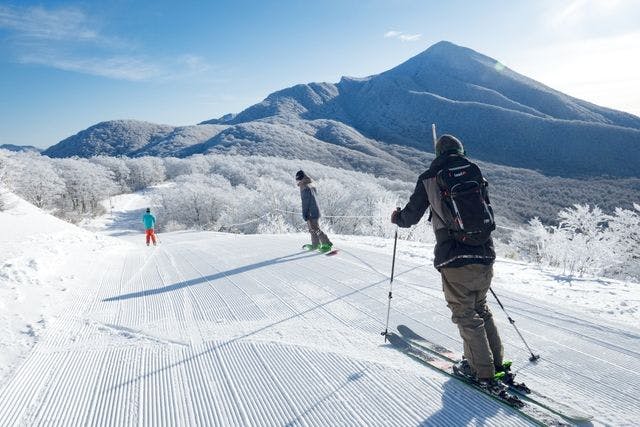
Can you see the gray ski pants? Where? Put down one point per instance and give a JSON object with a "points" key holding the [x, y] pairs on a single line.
{"points": [[465, 290], [317, 235]]}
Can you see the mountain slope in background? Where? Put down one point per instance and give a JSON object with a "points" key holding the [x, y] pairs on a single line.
{"points": [[501, 116], [111, 138]]}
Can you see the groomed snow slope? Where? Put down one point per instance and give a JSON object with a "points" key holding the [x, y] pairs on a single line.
{"points": [[221, 329]]}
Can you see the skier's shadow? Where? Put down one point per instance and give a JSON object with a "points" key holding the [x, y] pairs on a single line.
{"points": [[461, 407], [210, 278]]}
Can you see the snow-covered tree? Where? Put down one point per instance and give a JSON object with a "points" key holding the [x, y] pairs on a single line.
{"points": [[33, 178], [586, 241], [118, 166], [625, 229], [86, 184], [197, 164], [144, 172]]}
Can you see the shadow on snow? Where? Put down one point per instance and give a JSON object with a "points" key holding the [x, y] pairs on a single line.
{"points": [[221, 275]]}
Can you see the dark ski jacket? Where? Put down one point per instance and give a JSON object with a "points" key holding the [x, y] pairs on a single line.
{"points": [[448, 252], [310, 209]]}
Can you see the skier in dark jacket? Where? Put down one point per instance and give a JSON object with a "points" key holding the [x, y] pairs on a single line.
{"points": [[466, 270], [311, 214]]}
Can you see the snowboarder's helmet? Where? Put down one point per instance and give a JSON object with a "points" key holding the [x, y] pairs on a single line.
{"points": [[449, 144], [299, 175], [148, 209]]}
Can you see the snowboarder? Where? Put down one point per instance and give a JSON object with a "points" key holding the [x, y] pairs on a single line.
{"points": [[311, 214], [149, 223], [466, 268]]}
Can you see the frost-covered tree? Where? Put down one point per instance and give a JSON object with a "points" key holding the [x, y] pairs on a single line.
{"points": [[86, 184], [586, 241], [118, 166], [195, 201], [40, 184], [144, 172], [197, 164], [33, 178], [625, 229]]}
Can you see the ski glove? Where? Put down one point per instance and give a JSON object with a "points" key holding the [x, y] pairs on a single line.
{"points": [[394, 216]]}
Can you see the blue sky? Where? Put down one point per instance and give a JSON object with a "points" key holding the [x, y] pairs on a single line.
{"points": [[66, 65]]}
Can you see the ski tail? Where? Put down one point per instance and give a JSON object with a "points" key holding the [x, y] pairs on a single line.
{"points": [[521, 389]]}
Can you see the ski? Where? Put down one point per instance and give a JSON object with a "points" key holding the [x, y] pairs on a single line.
{"points": [[528, 410], [433, 361], [568, 412]]}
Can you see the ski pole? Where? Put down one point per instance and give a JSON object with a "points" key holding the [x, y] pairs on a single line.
{"points": [[393, 265], [533, 357]]}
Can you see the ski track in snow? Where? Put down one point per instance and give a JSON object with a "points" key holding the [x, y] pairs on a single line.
{"points": [[219, 329]]}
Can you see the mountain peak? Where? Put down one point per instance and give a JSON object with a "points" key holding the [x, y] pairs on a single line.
{"points": [[445, 54]]}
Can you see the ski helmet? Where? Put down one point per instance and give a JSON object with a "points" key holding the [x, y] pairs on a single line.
{"points": [[148, 209], [449, 144], [299, 175]]}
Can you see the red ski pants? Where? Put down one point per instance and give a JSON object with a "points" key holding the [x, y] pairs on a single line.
{"points": [[151, 235]]}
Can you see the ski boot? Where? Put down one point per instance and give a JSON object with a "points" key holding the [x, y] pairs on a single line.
{"points": [[309, 247], [504, 374], [491, 386], [325, 247], [464, 368]]}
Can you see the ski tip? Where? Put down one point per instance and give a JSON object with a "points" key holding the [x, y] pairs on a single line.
{"points": [[333, 252]]}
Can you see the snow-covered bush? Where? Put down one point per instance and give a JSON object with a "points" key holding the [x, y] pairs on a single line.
{"points": [[585, 241]]}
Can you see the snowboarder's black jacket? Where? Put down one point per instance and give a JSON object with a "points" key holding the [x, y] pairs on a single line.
{"points": [[448, 251], [310, 209]]}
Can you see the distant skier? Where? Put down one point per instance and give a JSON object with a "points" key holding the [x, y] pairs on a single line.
{"points": [[462, 220], [149, 224], [311, 214]]}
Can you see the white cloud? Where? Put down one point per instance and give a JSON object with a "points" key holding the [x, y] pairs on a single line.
{"points": [[402, 36], [121, 68], [410, 37], [59, 38], [37, 23]]}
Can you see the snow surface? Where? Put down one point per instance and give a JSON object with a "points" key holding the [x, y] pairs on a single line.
{"points": [[222, 329], [39, 274]]}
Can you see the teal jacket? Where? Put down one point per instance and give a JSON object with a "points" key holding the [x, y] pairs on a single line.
{"points": [[149, 220]]}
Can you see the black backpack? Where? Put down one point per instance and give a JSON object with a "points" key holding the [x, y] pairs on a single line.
{"points": [[465, 201]]}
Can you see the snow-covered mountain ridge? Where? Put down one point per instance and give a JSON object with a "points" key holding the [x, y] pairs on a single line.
{"points": [[503, 117]]}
